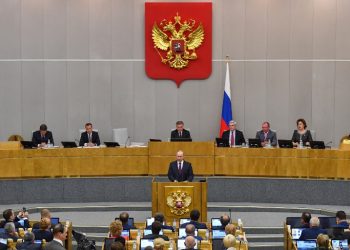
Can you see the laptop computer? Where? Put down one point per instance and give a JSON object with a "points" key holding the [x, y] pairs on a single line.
{"points": [[69, 144], [145, 243], [296, 233], [293, 222], [285, 143], [55, 221], [182, 232], [181, 244], [184, 220], [155, 140], [111, 144], [181, 139], [306, 244], [254, 143], [28, 144], [215, 222], [317, 145], [218, 234], [340, 244], [220, 142], [149, 221]]}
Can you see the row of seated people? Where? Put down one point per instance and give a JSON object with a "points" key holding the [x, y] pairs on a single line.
{"points": [[311, 231], [156, 228], [18, 232]]}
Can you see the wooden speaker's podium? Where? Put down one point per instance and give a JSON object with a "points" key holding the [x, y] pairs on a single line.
{"points": [[176, 199]]}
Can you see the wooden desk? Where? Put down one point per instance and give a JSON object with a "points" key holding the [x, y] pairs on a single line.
{"points": [[200, 154], [277, 162], [65, 162]]}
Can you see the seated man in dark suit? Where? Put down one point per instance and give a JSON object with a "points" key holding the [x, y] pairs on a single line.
{"points": [[156, 227], [180, 132], [3, 246], [10, 216], [44, 233], [180, 170], [305, 220], [266, 135], [42, 137], [160, 218], [28, 243], [314, 230], [59, 236], [89, 138], [191, 231], [194, 215], [234, 136], [342, 224], [124, 218]]}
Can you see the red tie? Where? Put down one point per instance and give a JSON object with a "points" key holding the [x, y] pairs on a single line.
{"points": [[232, 138]]}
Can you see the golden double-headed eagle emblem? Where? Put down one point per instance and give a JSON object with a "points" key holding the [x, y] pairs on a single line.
{"points": [[179, 202], [179, 40]]}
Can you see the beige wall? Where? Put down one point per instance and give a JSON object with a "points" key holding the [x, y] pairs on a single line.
{"points": [[290, 59]]}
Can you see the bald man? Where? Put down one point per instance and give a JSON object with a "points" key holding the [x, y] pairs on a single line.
{"points": [[180, 170]]}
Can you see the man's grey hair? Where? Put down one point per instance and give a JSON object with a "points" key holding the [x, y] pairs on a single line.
{"points": [[190, 242], [190, 229], [314, 222], [10, 227]]}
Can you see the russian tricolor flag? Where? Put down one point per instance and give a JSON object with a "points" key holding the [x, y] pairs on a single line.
{"points": [[226, 114]]}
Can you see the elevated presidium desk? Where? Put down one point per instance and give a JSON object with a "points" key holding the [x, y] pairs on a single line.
{"points": [[153, 160]]}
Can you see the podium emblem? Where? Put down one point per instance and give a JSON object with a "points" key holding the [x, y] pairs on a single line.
{"points": [[179, 202]]}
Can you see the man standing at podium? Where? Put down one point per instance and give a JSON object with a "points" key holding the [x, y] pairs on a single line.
{"points": [[180, 170]]}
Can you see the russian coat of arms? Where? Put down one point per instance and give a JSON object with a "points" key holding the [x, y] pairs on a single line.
{"points": [[177, 41]]}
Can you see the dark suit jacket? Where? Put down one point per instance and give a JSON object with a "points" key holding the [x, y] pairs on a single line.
{"points": [[8, 236], [185, 134], [196, 224], [16, 222], [312, 233], [270, 136], [305, 137], [154, 236], [37, 139], [28, 246], [186, 172], [85, 139], [3, 246], [54, 245], [43, 234], [239, 138]]}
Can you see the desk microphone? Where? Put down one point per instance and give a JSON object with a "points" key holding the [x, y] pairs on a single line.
{"points": [[127, 139], [327, 145]]}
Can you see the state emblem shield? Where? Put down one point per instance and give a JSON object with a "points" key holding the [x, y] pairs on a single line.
{"points": [[178, 40]]}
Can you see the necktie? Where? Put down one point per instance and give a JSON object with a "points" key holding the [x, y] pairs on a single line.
{"points": [[179, 167], [232, 138], [90, 138], [180, 134], [265, 136]]}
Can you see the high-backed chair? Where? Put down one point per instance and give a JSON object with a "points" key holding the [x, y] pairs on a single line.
{"points": [[120, 135]]}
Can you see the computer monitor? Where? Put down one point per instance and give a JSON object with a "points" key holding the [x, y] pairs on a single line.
{"points": [[28, 144], [69, 144], [254, 143], [220, 142], [184, 220], [131, 222], [182, 232], [145, 243], [317, 145], [306, 244], [327, 222], [126, 233], [181, 139], [340, 244], [55, 220], [285, 143], [218, 234], [296, 232], [149, 221], [181, 244], [111, 144], [293, 222], [215, 222]]}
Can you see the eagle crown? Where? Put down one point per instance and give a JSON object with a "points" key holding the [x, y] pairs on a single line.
{"points": [[171, 27]]}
